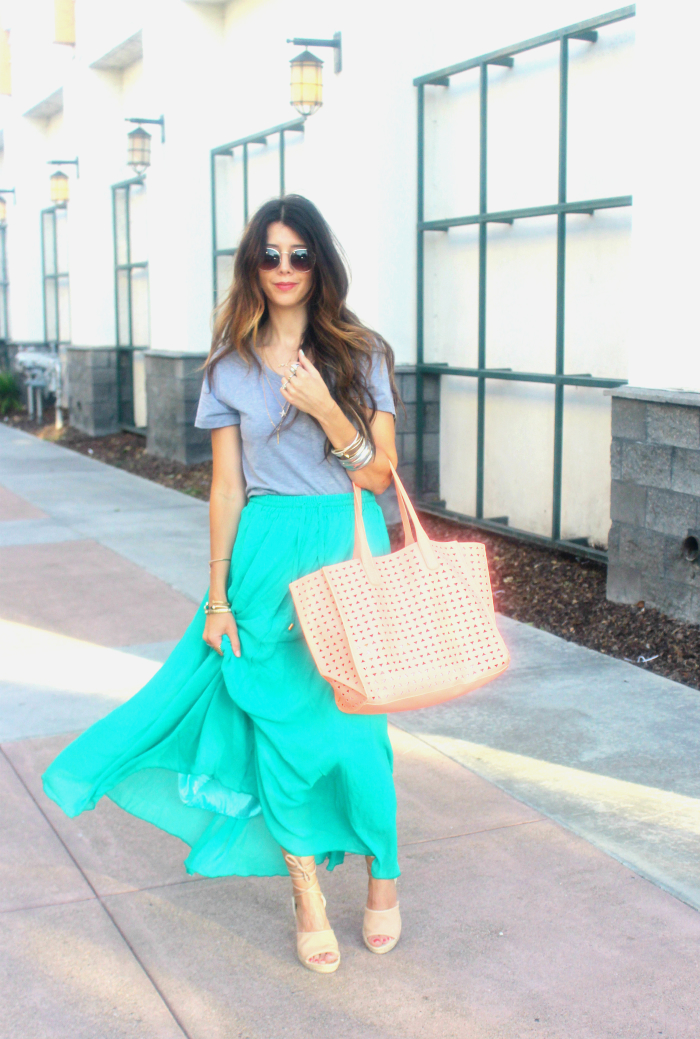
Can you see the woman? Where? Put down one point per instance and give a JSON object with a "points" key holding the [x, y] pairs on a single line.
{"points": [[236, 745]]}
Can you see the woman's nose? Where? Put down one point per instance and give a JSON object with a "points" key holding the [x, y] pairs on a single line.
{"points": [[285, 266]]}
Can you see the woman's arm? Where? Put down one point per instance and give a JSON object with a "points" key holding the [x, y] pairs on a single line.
{"points": [[225, 506], [307, 391], [340, 431]]}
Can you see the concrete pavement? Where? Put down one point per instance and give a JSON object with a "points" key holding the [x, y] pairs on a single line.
{"points": [[522, 808]]}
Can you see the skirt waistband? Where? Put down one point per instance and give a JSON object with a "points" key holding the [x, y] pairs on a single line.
{"points": [[310, 501]]}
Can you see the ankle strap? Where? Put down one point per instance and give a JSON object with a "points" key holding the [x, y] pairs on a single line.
{"points": [[302, 869]]}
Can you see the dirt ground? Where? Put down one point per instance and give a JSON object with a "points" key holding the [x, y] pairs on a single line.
{"points": [[558, 593]]}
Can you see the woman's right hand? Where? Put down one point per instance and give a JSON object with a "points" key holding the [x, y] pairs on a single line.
{"points": [[217, 625]]}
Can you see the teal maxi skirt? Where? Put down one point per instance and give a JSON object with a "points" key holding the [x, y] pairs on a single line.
{"points": [[239, 755]]}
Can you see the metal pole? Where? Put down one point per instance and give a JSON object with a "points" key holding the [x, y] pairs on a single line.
{"points": [[561, 292], [420, 288], [43, 285], [127, 214], [130, 352], [117, 331], [56, 281], [481, 383], [5, 310]]}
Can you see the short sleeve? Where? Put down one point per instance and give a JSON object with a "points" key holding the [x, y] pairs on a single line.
{"points": [[213, 413], [379, 383]]}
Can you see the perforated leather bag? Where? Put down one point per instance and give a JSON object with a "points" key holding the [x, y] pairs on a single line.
{"points": [[406, 630]]}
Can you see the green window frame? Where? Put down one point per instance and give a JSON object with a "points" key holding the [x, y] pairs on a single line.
{"points": [[4, 285], [55, 280], [227, 151], [585, 30], [128, 274]]}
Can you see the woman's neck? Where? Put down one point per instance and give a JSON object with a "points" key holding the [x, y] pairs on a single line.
{"points": [[283, 330]]}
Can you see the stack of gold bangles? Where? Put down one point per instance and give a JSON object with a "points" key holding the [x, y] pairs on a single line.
{"points": [[218, 605], [356, 455]]}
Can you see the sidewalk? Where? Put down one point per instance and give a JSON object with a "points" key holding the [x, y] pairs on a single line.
{"points": [[522, 808]]}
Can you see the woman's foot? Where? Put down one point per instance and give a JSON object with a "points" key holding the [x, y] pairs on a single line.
{"points": [[310, 914], [381, 894]]}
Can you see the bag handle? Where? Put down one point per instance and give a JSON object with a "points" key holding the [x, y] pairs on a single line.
{"points": [[407, 531], [361, 549]]}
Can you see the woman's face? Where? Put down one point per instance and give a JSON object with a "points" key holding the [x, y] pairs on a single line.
{"points": [[284, 286]]}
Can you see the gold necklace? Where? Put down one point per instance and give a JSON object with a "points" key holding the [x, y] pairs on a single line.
{"points": [[283, 413], [275, 426]]}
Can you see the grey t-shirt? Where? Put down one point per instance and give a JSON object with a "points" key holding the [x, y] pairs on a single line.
{"points": [[237, 395]]}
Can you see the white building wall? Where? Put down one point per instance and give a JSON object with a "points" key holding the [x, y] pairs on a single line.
{"points": [[220, 71]]}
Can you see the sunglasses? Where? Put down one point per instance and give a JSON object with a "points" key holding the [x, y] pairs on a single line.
{"points": [[301, 260]]}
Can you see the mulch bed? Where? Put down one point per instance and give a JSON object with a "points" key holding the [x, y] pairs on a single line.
{"points": [[558, 593]]}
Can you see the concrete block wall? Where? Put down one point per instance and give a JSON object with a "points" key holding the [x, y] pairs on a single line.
{"points": [[173, 384], [406, 431], [655, 500], [92, 389]]}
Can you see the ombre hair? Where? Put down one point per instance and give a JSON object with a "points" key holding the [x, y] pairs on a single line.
{"points": [[336, 341]]}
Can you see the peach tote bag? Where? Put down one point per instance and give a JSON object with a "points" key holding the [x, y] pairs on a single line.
{"points": [[410, 629]]}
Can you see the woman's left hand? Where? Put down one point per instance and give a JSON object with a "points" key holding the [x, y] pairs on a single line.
{"points": [[306, 390]]}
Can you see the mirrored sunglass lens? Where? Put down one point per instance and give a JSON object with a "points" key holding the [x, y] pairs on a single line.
{"points": [[270, 260], [300, 259]]}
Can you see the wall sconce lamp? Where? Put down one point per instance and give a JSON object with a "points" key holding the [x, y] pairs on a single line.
{"points": [[3, 202], [59, 189], [307, 73], [139, 144]]}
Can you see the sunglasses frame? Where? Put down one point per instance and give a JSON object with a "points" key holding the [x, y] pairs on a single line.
{"points": [[290, 253]]}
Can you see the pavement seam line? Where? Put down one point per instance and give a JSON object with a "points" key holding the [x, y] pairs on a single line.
{"points": [[105, 909], [45, 905], [114, 894], [473, 833]]}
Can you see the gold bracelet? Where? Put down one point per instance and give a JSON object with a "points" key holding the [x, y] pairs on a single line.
{"points": [[217, 608], [343, 452], [223, 559]]}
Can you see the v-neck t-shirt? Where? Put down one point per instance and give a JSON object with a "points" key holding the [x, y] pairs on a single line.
{"points": [[236, 394]]}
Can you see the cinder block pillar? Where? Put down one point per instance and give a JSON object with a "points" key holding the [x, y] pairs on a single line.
{"points": [[92, 389], [406, 440], [655, 500], [406, 431], [173, 382]]}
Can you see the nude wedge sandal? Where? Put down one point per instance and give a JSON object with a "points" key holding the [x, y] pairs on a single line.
{"points": [[302, 870], [381, 921]]}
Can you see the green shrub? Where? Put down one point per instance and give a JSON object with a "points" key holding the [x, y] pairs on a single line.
{"points": [[10, 395]]}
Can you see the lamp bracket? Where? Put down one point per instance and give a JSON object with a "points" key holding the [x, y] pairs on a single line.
{"points": [[587, 34], [66, 162], [335, 43], [158, 122], [8, 191]]}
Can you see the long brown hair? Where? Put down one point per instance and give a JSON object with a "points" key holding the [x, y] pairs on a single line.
{"points": [[337, 342]]}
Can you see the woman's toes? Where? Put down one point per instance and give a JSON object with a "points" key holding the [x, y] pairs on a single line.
{"points": [[379, 939]]}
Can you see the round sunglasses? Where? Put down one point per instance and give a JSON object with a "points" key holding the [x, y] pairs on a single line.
{"points": [[301, 260]]}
